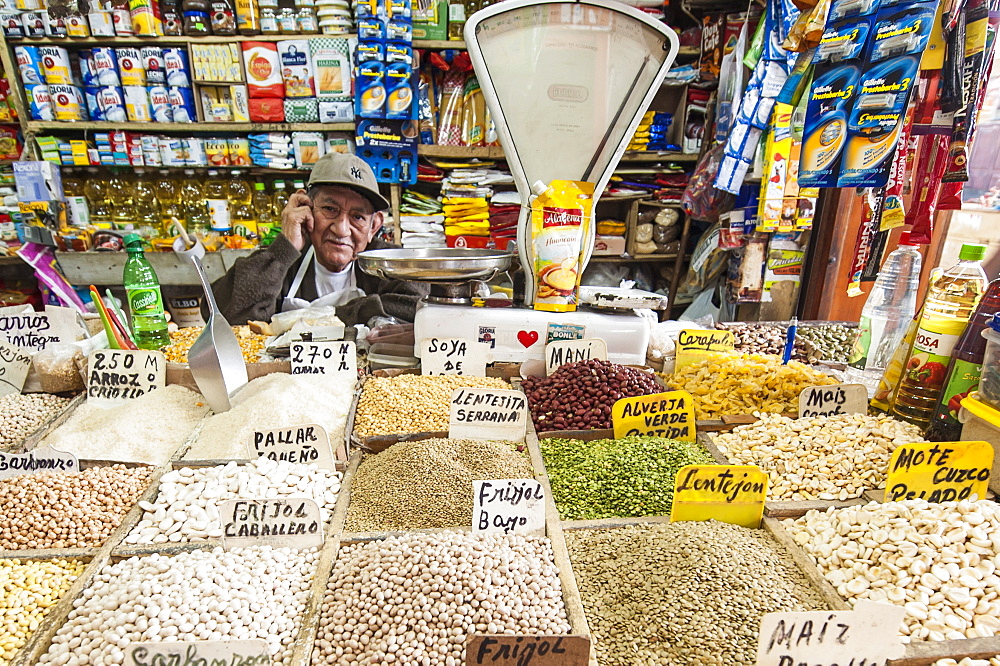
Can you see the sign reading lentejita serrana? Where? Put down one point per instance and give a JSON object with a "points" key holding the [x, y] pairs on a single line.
{"points": [[488, 413], [289, 522], [199, 653]]}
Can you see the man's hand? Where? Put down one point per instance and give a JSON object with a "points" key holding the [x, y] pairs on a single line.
{"points": [[297, 219]]}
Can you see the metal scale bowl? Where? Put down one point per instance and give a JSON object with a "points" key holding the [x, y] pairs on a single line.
{"points": [[450, 272]]}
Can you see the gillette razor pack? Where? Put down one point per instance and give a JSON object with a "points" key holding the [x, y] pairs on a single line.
{"points": [[384, 66]]}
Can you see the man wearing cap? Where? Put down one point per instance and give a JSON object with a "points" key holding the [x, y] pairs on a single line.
{"points": [[312, 262]]}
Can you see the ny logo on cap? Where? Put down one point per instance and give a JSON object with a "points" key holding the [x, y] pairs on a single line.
{"points": [[356, 172]]}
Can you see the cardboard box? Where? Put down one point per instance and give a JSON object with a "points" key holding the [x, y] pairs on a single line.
{"points": [[431, 23], [609, 245]]}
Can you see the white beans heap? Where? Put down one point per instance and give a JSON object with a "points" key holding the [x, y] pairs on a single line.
{"points": [[936, 560], [415, 599], [243, 594], [827, 457], [23, 413], [992, 661], [28, 590], [187, 503]]}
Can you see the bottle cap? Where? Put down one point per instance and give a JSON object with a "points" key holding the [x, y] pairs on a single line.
{"points": [[133, 239], [972, 252], [904, 239]]}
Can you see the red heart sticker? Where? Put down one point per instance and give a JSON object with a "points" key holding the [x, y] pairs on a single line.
{"points": [[527, 338]]}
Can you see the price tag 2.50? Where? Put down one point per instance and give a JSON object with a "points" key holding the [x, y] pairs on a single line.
{"points": [[288, 522], [453, 356], [939, 471], [305, 445], [14, 365], [244, 653], [508, 506], [324, 358], [115, 376], [833, 400], [668, 414], [730, 493]]}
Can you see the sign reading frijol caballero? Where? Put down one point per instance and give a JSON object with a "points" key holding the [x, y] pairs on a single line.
{"points": [[288, 522], [487, 413], [730, 493]]}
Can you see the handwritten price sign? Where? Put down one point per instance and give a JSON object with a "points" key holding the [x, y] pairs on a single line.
{"points": [[452, 356]]}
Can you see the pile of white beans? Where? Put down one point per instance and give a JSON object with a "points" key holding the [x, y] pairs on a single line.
{"points": [[243, 594], [187, 503]]}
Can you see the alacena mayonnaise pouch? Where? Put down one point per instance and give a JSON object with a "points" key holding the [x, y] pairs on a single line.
{"points": [[560, 216]]}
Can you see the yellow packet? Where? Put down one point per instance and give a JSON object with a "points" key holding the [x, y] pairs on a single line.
{"points": [[560, 216]]}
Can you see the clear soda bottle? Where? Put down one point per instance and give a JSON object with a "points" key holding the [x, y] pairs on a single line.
{"points": [[950, 302], [888, 311], [145, 303]]}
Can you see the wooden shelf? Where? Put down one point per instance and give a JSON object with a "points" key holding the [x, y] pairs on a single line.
{"points": [[439, 44], [193, 39], [654, 156], [688, 51], [613, 258], [184, 128], [484, 152]]}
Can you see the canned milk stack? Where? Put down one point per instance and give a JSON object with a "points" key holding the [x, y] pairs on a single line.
{"points": [[30, 18], [52, 92], [148, 84]]}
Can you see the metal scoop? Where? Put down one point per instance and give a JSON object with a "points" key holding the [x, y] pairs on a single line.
{"points": [[215, 358]]}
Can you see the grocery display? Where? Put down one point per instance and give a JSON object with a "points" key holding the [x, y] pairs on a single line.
{"points": [[23, 413]]}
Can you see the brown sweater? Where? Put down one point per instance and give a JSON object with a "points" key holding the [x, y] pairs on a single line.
{"points": [[255, 286]]}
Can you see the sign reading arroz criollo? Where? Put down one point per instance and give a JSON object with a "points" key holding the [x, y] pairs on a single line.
{"points": [[939, 471], [115, 376], [486, 413], [868, 635], [288, 522]]}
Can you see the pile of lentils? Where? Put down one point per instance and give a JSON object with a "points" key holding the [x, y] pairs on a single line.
{"points": [[74, 510], [427, 483], [617, 478], [29, 589], [683, 593], [579, 396], [23, 413], [414, 599]]}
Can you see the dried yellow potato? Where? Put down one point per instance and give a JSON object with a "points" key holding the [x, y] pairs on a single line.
{"points": [[251, 344], [742, 384]]}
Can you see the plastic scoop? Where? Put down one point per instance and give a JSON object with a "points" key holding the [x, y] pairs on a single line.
{"points": [[215, 359]]}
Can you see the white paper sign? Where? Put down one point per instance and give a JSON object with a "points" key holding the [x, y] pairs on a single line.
{"points": [[571, 351], [508, 506], [14, 365], [324, 358], [115, 376], [288, 522], [199, 653], [304, 445], [867, 635], [37, 330], [453, 356], [42, 459], [481, 413], [832, 400]]}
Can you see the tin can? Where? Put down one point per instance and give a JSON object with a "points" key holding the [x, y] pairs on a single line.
{"points": [[152, 61], [171, 151], [39, 102], [55, 65], [11, 24], [145, 19], [55, 26], [182, 104], [104, 67], [159, 102], [130, 67], [111, 102], [176, 63], [34, 24], [195, 150], [26, 5], [137, 104], [29, 63], [122, 20], [67, 102], [90, 94], [102, 23]]}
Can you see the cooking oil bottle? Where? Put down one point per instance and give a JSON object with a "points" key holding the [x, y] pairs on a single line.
{"points": [[193, 203], [267, 224], [96, 190], [279, 199], [217, 198], [145, 205], [240, 200], [168, 194], [120, 197], [950, 302]]}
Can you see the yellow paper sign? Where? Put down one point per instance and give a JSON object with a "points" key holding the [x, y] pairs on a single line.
{"points": [[730, 493], [939, 471], [668, 415], [695, 345]]}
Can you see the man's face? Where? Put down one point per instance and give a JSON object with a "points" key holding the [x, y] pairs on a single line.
{"points": [[344, 222]]}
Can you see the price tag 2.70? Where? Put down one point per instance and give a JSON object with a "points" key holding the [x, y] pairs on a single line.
{"points": [[115, 376], [14, 365], [452, 356], [324, 358]]}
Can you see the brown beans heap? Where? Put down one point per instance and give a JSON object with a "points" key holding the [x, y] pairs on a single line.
{"points": [[579, 396], [75, 510]]}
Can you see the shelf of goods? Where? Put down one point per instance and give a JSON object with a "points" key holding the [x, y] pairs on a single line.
{"points": [[164, 528], [181, 128]]}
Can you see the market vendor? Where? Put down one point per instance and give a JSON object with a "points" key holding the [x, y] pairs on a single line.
{"points": [[312, 262]]}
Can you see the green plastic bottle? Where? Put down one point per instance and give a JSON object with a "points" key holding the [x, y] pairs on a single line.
{"points": [[145, 303]]}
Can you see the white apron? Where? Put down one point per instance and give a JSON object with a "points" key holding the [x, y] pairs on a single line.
{"points": [[336, 298]]}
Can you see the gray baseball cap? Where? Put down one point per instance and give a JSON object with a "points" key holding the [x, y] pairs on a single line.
{"points": [[348, 171]]}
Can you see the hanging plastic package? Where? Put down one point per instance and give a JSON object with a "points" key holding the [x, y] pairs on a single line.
{"points": [[930, 167], [701, 200], [893, 213], [808, 30], [872, 201], [730, 85], [560, 214]]}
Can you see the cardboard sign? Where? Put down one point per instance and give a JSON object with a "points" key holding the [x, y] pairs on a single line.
{"points": [[482, 413], [452, 356], [508, 506], [668, 415], [304, 445], [832, 400], [506, 650], [730, 493], [14, 366], [287, 522], [696, 345], [572, 351], [115, 376], [35, 331], [324, 358], [939, 471], [42, 459], [199, 653], [868, 635]]}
